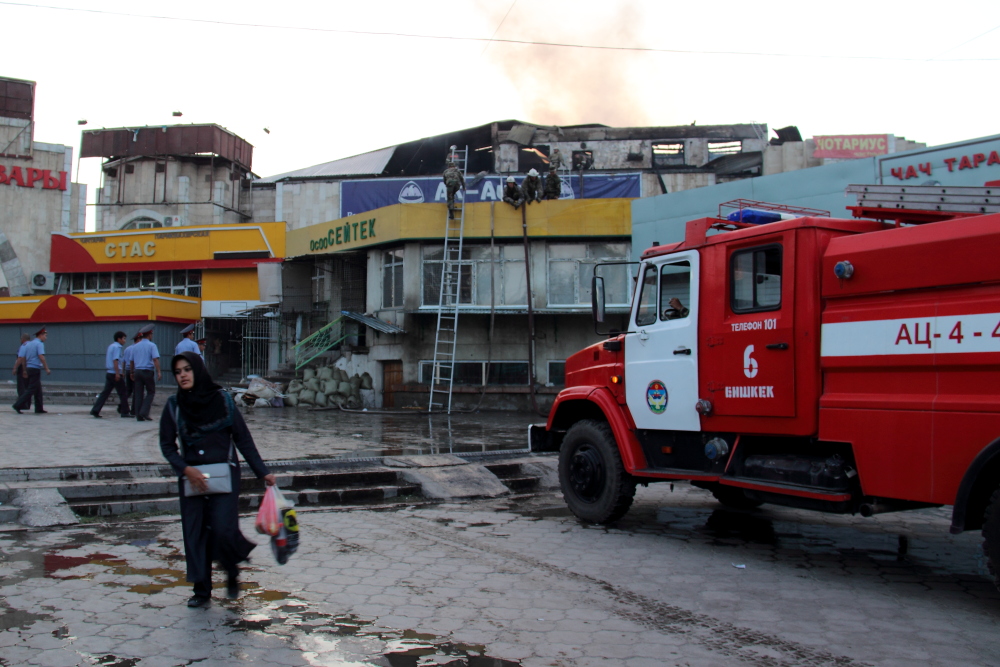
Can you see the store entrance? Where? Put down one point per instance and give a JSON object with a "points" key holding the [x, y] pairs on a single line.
{"points": [[224, 348]]}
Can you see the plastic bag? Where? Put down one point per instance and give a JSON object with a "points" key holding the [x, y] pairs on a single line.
{"points": [[286, 542], [269, 514]]}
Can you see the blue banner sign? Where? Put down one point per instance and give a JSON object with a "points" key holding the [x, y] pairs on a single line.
{"points": [[367, 195]]}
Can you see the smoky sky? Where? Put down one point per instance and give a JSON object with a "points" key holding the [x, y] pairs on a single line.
{"points": [[565, 86]]}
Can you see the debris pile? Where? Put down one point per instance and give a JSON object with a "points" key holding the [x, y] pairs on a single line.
{"points": [[261, 394]]}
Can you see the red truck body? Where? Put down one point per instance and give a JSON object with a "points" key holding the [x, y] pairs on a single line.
{"points": [[839, 365]]}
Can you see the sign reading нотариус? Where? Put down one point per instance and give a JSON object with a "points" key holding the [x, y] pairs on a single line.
{"points": [[27, 177]]}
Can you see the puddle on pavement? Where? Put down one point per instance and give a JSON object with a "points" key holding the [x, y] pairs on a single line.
{"points": [[259, 610], [20, 618], [403, 648], [115, 661], [399, 434]]}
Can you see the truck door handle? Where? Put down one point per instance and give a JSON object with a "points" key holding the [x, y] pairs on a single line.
{"points": [[777, 346], [682, 350], [643, 335]]}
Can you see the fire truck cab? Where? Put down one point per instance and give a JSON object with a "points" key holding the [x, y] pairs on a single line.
{"points": [[831, 364]]}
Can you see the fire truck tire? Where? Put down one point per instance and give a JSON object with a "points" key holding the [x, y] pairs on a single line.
{"points": [[591, 473], [991, 537], [734, 498]]}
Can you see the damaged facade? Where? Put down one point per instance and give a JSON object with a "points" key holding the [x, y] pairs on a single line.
{"points": [[334, 276]]}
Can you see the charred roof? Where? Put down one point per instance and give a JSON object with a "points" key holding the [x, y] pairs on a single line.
{"points": [[168, 140]]}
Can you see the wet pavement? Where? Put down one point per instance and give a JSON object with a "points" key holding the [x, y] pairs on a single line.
{"points": [[516, 582], [69, 436]]}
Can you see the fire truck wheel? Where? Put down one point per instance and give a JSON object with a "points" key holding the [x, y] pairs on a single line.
{"points": [[734, 498], [991, 536], [591, 474]]}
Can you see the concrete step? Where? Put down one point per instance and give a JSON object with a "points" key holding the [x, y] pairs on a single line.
{"points": [[111, 498], [514, 478], [249, 501], [9, 514]]}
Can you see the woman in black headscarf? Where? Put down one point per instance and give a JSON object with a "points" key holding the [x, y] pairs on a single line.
{"points": [[203, 419]]}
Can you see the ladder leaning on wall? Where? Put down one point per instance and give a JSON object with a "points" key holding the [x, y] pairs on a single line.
{"points": [[446, 337]]}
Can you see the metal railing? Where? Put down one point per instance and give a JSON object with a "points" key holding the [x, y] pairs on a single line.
{"points": [[317, 343]]}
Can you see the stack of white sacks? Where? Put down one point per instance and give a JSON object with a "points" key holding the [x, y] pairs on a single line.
{"points": [[329, 386]]}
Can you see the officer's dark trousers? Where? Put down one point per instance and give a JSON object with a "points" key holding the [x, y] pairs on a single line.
{"points": [[145, 389], [211, 526], [22, 386], [129, 391], [110, 384], [34, 389]]}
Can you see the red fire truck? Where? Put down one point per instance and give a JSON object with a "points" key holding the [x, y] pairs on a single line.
{"points": [[848, 366]]}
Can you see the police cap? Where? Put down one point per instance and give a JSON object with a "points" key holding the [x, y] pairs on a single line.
{"points": [[188, 329], [40, 331], [146, 329]]}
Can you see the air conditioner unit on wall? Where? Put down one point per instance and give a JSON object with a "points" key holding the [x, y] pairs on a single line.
{"points": [[172, 221], [43, 282]]}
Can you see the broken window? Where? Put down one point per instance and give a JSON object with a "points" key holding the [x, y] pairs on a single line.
{"points": [[479, 373], [668, 154], [506, 265], [720, 148], [571, 268], [533, 157]]}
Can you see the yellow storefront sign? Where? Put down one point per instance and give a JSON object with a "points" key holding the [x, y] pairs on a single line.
{"points": [[561, 218]]}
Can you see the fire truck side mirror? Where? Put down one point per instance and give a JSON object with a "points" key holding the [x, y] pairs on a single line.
{"points": [[597, 298]]}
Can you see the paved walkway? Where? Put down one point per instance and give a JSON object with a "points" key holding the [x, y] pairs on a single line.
{"points": [[69, 436], [680, 581]]}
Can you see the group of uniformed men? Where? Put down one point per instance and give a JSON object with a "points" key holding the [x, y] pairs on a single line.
{"points": [[131, 371], [531, 189]]}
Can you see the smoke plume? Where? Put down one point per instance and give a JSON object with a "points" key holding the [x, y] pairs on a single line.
{"points": [[568, 86]]}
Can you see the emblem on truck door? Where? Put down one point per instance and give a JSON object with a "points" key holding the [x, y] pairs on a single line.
{"points": [[749, 363], [656, 397]]}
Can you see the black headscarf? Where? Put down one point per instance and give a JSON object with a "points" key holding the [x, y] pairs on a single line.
{"points": [[203, 408]]}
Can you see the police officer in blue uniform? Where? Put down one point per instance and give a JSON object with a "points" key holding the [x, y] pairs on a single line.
{"points": [[145, 360], [187, 343], [32, 365], [22, 383], [113, 377], [129, 372]]}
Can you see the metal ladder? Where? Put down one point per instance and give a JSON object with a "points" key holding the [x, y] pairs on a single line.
{"points": [[446, 336]]}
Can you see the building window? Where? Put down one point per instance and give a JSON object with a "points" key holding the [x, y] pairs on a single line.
{"points": [[557, 373], [479, 373], [755, 277], [720, 148], [506, 265], [181, 282], [143, 223], [319, 283], [668, 154], [571, 268], [392, 278]]}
